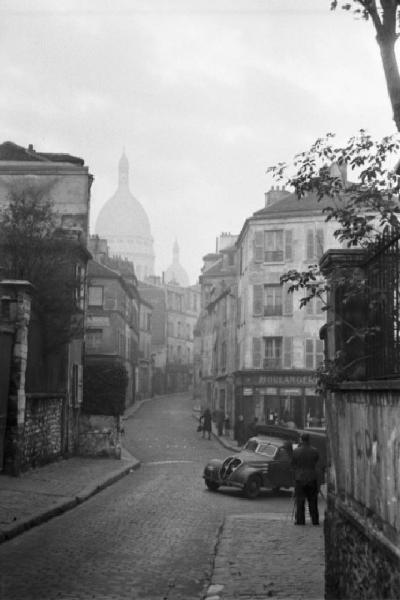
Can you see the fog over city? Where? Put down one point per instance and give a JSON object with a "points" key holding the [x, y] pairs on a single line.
{"points": [[203, 95]]}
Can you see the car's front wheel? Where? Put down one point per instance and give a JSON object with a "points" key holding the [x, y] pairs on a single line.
{"points": [[212, 485], [252, 487]]}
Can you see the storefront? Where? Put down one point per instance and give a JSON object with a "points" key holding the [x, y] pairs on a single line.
{"points": [[287, 398]]}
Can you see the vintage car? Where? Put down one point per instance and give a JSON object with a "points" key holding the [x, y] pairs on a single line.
{"points": [[263, 463]]}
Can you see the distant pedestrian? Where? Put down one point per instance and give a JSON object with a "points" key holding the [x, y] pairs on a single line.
{"points": [[252, 428], [206, 423], [240, 431], [304, 462]]}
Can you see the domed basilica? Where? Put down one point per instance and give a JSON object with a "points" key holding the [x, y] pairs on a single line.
{"points": [[125, 224]]}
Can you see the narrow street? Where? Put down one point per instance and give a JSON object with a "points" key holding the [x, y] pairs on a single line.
{"points": [[150, 536]]}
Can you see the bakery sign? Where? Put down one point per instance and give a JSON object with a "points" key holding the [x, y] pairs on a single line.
{"points": [[288, 380]]}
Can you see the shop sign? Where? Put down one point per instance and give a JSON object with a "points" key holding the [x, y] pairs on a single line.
{"points": [[291, 392], [268, 391], [247, 391], [278, 380]]}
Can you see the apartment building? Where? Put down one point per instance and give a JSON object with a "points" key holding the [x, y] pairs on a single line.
{"points": [[278, 345]]}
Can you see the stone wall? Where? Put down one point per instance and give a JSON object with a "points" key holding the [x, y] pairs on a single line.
{"points": [[360, 564], [44, 429], [99, 435]]}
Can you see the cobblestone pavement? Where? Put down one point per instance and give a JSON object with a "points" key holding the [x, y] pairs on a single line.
{"points": [[265, 556], [151, 536], [39, 494]]}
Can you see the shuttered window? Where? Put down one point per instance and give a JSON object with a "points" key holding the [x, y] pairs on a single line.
{"points": [[287, 301], [309, 354], [314, 353], [258, 246], [256, 353], [272, 300], [287, 352], [273, 353], [319, 243], [273, 246], [315, 244], [288, 245], [315, 306], [258, 300], [310, 245]]}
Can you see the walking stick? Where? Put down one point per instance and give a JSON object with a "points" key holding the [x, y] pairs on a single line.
{"points": [[293, 500]]}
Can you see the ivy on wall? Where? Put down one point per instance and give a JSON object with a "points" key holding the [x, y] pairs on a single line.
{"points": [[104, 388]]}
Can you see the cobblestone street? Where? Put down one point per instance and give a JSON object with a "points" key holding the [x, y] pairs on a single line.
{"points": [[150, 536]]}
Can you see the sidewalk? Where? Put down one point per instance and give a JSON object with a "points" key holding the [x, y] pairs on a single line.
{"points": [[40, 494], [262, 556], [43, 493]]}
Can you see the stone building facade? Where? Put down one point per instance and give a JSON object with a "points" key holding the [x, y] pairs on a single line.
{"points": [[216, 329], [112, 322], [43, 410], [174, 316], [278, 346], [146, 359]]}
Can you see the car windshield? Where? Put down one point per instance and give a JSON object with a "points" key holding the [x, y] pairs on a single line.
{"points": [[251, 445], [267, 449]]}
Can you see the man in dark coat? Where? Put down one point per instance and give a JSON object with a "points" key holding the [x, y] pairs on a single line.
{"points": [[304, 462], [205, 420]]}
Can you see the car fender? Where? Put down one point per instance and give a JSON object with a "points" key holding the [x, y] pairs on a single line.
{"points": [[214, 462], [245, 471]]}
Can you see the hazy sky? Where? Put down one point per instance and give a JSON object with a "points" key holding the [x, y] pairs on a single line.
{"points": [[203, 94]]}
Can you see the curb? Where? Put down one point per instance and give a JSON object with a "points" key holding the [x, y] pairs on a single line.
{"points": [[67, 504]]}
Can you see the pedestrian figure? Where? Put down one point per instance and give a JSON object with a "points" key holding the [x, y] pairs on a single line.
{"points": [[240, 431], [206, 423], [304, 462], [227, 425], [252, 428]]}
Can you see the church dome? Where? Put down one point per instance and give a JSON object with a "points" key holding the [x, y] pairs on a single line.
{"points": [[123, 214], [175, 273], [125, 224]]}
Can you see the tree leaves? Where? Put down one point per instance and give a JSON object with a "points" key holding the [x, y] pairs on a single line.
{"points": [[32, 250]]}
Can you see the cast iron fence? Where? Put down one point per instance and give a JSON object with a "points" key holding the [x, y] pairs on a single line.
{"points": [[382, 270]]}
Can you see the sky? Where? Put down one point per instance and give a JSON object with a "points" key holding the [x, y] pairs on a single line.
{"points": [[203, 95]]}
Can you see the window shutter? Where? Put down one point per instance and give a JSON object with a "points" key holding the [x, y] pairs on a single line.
{"points": [[256, 353], [310, 305], [309, 354], [319, 352], [287, 301], [258, 293], [287, 352], [319, 243], [288, 245], [310, 245], [258, 246]]}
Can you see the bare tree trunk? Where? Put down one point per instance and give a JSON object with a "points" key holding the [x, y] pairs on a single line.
{"points": [[392, 76]]}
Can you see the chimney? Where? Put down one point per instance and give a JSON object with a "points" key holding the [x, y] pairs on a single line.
{"points": [[31, 148], [274, 195]]}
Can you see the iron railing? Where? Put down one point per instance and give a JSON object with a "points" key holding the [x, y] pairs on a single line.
{"points": [[382, 271]]}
